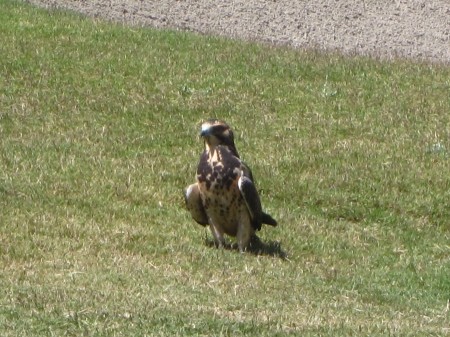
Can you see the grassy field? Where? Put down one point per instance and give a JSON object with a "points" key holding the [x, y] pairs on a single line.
{"points": [[99, 135]]}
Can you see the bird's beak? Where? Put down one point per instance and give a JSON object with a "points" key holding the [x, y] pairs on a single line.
{"points": [[205, 131]]}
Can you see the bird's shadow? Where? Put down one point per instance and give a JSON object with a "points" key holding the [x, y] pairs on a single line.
{"points": [[256, 247]]}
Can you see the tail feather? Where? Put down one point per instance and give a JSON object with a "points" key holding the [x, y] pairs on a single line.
{"points": [[268, 220]]}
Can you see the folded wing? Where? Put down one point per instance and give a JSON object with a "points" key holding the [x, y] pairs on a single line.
{"points": [[194, 204], [251, 198]]}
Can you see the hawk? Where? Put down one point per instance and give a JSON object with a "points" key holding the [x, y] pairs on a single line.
{"points": [[224, 196]]}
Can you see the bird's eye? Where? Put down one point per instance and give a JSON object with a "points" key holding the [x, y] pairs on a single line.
{"points": [[219, 129]]}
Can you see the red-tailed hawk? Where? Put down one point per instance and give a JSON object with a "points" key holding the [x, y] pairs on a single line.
{"points": [[224, 196]]}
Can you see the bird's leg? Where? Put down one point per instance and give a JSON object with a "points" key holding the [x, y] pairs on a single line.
{"points": [[218, 235], [243, 236]]}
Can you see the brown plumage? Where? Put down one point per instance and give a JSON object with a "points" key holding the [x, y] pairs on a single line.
{"points": [[224, 196]]}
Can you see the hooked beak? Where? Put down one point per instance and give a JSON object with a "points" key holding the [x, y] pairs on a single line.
{"points": [[205, 131]]}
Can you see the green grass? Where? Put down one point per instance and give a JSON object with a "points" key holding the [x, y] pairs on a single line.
{"points": [[98, 137]]}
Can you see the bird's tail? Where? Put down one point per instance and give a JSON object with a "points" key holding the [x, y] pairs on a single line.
{"points": [[268, 220]]}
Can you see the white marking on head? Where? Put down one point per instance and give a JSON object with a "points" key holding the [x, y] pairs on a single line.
{"points": [[206, 127]]}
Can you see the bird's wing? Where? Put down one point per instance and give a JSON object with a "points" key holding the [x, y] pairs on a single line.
{"points": [[194, 204], [268, 220], [251, 198], [246, 171]]}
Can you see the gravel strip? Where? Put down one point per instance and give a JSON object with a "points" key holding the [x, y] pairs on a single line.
{"points": [[416, 29]]}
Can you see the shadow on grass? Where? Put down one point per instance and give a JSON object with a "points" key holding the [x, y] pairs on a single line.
{"points": [[256, 247]]}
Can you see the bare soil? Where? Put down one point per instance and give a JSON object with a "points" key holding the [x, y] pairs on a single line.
{"points": [[417, 29]]}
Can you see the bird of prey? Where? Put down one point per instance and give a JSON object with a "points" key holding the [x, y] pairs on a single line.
{"points": [[224, 196]]}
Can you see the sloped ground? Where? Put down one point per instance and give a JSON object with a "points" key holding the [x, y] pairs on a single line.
{"points": [[418, 29]]}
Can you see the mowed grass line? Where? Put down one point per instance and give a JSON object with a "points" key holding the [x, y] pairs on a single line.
{"points": [[98, 132]]}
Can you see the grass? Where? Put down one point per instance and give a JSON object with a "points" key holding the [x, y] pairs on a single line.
{"points": [[98, 134]]}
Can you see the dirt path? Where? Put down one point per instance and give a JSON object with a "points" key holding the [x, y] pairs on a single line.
{"points": [[418, 29]]}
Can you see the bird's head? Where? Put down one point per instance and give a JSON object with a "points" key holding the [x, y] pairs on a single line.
{"points": [[216, 132]]}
